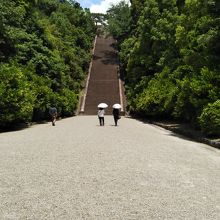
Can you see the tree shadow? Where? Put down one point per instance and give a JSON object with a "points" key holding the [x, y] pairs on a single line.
{"points": [[20, 126], [13, 128], [181, 130], [114, 45], [110, 57], [95, 57]]}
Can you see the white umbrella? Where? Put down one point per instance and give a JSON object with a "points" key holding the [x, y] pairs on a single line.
{"points": [[117, 106], [102, 105]]}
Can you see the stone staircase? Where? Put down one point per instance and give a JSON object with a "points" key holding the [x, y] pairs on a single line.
{"points": [[104, 83]]}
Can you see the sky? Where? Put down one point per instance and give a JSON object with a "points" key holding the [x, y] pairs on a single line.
{"points": [[97, 6]]}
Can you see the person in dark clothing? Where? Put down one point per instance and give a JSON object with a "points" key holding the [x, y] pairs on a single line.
{"points": [[53, 114], [116, 115]]}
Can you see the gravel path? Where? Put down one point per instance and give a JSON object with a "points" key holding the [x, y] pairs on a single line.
{"points": [[79, 170]]}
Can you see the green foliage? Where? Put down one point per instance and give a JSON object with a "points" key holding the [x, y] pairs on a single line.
{"points": [[68, 102], [47, 6], [158, 96], [154, 46], [17, 97], [210, 119], [119, 20], [195, 90], [50, 42], [170, 60], [45, 97]]}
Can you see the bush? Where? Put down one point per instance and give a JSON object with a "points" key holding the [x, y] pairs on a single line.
{"points": [[68, 102], [17, 96], [210, 119], [158, 98], [45, 99]]}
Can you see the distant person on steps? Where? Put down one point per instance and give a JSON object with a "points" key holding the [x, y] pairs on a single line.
{"points": [[101, 113]]}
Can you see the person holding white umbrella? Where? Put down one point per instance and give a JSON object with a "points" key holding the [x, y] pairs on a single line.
{"points": [[116, 113], [101, 113]]}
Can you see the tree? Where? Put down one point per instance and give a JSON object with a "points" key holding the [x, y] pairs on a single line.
{"points": [[170, 60], [99, 18], [119, 20], [45, 46]]}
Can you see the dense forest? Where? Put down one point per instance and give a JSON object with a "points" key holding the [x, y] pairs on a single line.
{"points": [[169, 54], [44, 56]]}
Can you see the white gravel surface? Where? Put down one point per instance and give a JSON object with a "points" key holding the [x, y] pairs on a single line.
{"points": [[79, 170]]}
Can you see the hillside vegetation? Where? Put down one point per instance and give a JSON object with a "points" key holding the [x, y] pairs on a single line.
{"points": [[169, 54], [44, 55]]}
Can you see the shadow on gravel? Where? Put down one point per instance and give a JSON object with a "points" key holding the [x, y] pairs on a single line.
{"points": [[173, 134], [14, 128], [20, 127], [182, 130]]}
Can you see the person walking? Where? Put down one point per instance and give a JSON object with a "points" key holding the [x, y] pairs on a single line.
{"points": [[53, 114], [116, 115], [101, 113]]}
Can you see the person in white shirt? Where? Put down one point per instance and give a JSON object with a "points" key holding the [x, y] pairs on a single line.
{"points": [[101, 113]]}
